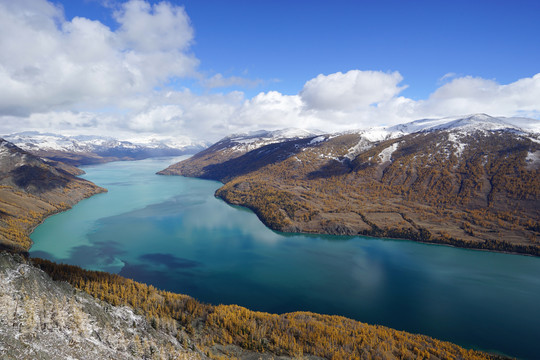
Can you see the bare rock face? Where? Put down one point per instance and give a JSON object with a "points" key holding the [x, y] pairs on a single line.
{"points": [[44, 319]]}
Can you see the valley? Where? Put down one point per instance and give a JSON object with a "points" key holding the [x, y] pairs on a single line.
{"points": [[177, 236], [270, 162], [269, 180]]}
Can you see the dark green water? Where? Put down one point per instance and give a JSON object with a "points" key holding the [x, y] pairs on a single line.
{"points": [[171, 232]]}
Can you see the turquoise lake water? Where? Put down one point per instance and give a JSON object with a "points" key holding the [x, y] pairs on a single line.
{"points": [[173, 233]]}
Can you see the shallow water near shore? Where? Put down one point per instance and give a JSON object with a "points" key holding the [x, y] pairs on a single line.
{"points": [[173, 233]]}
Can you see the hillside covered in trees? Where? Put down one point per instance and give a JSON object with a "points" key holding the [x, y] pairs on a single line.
{"points": [[48, 320], [230, 331], [31, 189], [471, 182]]}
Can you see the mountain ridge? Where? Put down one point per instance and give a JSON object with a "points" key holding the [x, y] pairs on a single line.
{"points": [[91, 149], [469, 182]]}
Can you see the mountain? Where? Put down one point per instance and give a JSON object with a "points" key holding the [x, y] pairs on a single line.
{"points": [[52, 311], [469, 181], [45, 319], [84, 149], [236, 145], [469, 123], [31, 189]]}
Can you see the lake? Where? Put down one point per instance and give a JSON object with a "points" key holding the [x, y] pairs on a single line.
{"points": [[172, 232]]}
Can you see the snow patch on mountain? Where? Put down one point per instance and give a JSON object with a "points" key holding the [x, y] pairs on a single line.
{"points": [[264, 135], [457, 144], [386, 154], [533, 159], [317, 140], [475, 122], [245, 142], [362, 145]]}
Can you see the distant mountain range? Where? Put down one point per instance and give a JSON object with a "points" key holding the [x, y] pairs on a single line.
{"points": [[84, 149], [470, 181]]}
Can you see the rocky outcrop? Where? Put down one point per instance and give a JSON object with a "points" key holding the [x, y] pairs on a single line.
{"points": [[44, 319]]}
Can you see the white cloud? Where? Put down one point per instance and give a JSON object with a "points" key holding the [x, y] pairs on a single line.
{"points": [[447, 77], [80, 76], [48, 63], [209, 117], [472, 95], [154, 28], [354, 89]]}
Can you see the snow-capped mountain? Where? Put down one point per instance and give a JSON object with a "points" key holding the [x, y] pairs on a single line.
{"points": [[474, 122], [457, 131], [468, 181], [236, 145], [87, 149], [32, 140], [244, 142]]}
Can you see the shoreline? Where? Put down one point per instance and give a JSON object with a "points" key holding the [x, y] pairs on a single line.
{"points": [[31, 227], [438, 241], [265, 224]]}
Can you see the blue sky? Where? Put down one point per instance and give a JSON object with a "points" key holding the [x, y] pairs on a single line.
{"points": [[252, 64], [285, 43]]}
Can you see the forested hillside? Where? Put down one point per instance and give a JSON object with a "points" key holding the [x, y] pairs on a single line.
{"points": [[230, 331], [32, 189], [475, 184]]}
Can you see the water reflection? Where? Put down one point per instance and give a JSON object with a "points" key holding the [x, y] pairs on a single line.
{"points": [[173, 233]]}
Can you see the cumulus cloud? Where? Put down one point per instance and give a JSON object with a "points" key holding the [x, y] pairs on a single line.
{"points": [[47, 62], [354, 89], [82, 77], [472, 95], [209, 117], [153, 28]]}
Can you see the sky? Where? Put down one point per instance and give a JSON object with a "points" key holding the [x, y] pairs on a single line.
{"points": [[198, 70]]}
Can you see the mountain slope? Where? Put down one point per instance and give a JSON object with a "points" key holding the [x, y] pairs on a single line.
{"points": [[32, 189], [206, 163], [44, 319], [234, 332], [84, 150], [470, 182]]}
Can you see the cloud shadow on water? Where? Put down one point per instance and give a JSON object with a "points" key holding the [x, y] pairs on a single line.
{"points": [[43, 255], [182, 282], [170, 261], [103, 254]]}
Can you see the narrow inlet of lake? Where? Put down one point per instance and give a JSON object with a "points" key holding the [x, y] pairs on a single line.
{"points": [[173, 233]]}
